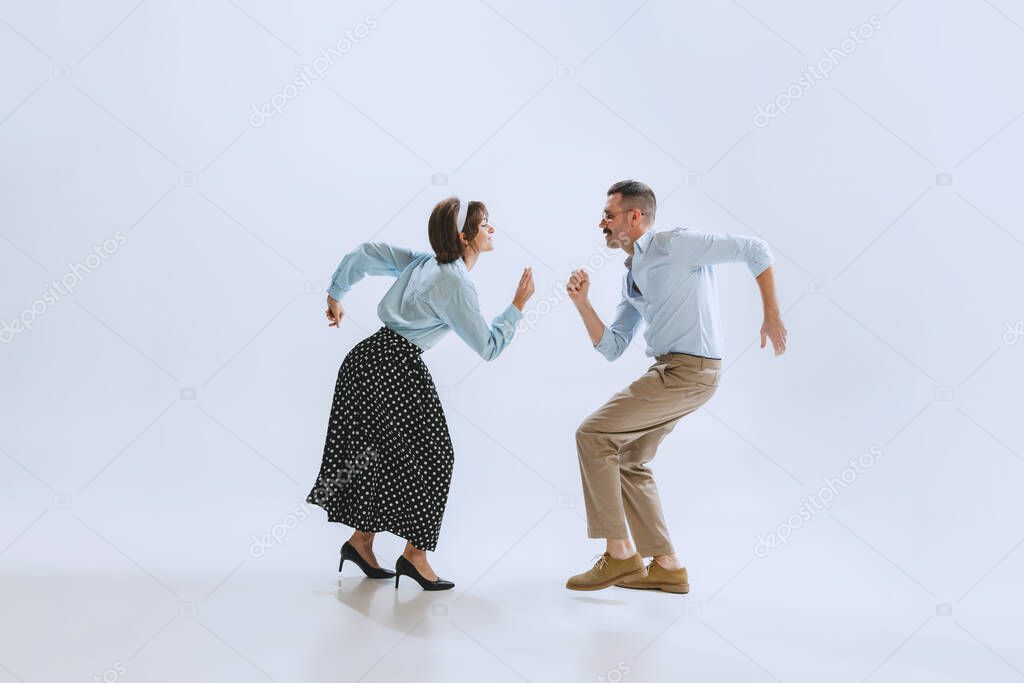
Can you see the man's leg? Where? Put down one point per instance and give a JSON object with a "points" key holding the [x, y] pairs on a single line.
{"points": [[640, 495], [647, 405], [602, 496], [692, 382], [626, 417]]}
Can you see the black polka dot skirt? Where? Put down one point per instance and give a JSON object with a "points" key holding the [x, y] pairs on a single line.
{"points": [[388, 457]]}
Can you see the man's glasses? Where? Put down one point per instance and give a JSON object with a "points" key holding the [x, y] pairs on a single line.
{"points": [[608, 217]]}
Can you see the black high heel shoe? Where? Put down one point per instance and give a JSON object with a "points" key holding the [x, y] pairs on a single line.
{"points": [[348, 552], [406, 568]]}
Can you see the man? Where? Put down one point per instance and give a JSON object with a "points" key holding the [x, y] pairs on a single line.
{"points": [[670, 285]]}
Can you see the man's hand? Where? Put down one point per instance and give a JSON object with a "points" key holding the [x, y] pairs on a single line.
{"points": [[578, 286], [774, 329], [335, 312]]}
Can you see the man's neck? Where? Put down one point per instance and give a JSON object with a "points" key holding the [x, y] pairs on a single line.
{"points": [[629, 248]]}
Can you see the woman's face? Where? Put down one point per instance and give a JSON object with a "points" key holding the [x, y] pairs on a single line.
{"points": [[484, 240]]}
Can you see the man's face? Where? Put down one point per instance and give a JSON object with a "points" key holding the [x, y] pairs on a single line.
{"points": [[621, 225]]}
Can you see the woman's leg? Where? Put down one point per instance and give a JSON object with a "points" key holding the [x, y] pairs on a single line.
{"points": [[362, 541], [418, 558]]}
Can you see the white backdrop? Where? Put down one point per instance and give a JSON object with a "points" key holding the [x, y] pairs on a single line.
{"points": [[173, 205]]}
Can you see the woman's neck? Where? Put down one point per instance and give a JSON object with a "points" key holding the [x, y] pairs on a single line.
{"points": [[470, 257]]}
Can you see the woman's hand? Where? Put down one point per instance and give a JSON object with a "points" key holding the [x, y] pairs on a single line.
{"points": [[335, 312], [525, 289], [578, 286]]}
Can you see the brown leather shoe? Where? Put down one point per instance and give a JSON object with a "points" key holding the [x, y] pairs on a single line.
{"points": [[657, 578], [605, 572]]}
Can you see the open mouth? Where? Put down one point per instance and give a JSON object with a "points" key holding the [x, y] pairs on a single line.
{"points": [[606, 232]]}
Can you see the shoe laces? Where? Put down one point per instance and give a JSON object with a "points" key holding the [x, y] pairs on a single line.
{"points": [[602, 560]]}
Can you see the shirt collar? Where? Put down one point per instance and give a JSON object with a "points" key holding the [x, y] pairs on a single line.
{"points": [[640, 246], [642, 243]]}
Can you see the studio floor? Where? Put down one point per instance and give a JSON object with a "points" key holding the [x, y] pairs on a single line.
{"points": [[813, 613]]}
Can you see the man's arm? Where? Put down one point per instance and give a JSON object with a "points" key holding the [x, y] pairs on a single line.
{"points": [[578, 288], [611, 341], [772, 327], [696, 248]]}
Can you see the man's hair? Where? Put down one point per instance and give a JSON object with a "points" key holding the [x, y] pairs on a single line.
{"points": [[636, 195]]}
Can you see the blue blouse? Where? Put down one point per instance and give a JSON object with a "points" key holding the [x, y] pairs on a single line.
{"points": [[427, 299]]}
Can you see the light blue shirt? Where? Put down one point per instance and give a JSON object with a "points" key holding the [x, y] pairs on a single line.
{"points": [[427, 299], [678, 297]]}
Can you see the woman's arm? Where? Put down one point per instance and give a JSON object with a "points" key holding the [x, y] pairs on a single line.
{"points": [[370, 258], [462, 314]]}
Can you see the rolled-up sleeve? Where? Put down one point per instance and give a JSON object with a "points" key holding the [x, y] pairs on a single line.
{"points": [[462, 313], [370, 258], [698, 248], [619, 334]]}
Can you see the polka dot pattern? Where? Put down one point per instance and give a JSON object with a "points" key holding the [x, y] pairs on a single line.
{"points": [[388, 456]]}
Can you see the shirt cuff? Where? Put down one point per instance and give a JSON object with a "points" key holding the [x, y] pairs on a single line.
{"points": [[336, 291], [759, 267], [606, 347], [762, 259], [512, 314]]}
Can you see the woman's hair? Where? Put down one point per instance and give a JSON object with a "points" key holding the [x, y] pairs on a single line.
{"points": [[444, 230]]}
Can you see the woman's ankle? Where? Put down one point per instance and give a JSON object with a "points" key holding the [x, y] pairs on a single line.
{"points": [[362, 538], [412, 553]]}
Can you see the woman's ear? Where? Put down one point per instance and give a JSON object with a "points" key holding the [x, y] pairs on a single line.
{"points": [[462, 238]]}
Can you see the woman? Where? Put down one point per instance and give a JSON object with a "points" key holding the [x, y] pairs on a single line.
{"points": [[387, 461]]}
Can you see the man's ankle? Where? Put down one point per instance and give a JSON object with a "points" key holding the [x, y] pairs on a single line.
{"points": [[620, 551], [668, 561]]}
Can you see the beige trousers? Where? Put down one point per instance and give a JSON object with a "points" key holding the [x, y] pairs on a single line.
{"points": [[617, 441]]}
